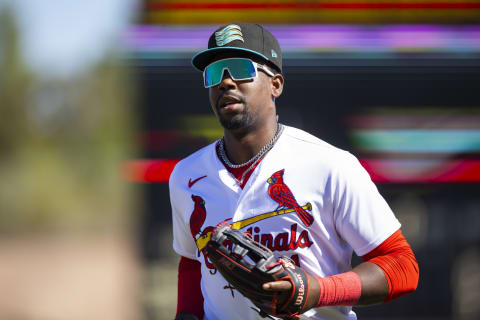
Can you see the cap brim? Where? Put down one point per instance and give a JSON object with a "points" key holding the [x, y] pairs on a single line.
{"points": [[205, 57]]}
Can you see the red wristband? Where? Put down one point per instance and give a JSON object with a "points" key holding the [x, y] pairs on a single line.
{"points": [[339, 290]]}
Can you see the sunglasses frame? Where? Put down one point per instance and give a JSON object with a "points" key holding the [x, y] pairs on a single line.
{"points": [[255, 65]]}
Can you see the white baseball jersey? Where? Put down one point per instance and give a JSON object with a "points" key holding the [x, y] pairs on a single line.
{"points": [[332, 208]]}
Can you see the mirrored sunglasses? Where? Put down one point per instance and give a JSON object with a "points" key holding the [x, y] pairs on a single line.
{"points": [[238, 68]]}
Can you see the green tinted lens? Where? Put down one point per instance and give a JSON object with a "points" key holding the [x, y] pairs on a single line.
{"points": [[239, 69]]}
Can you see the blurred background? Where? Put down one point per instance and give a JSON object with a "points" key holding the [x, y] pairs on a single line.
{"points": [[98, 102]]}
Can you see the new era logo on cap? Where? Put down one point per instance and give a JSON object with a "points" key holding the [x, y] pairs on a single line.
{"points": [[228, 34]]}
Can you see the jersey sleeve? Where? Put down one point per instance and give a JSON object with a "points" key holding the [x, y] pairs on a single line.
{"points": [[183, 242], [362, 216]]}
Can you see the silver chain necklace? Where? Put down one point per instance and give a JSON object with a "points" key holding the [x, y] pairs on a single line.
{"points": [[252, 161]]}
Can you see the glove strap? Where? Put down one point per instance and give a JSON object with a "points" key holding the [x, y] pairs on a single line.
{"points": [[299, 294]]}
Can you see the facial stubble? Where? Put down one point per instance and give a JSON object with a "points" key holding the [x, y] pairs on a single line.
{"points": [[242, 119]]}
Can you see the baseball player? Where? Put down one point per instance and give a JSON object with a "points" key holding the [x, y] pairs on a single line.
{"points": [[295, 194]]}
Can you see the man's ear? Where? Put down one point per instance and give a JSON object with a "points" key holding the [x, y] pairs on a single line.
{"points": [[277, 85]]}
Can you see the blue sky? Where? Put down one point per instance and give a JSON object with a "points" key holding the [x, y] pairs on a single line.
{"points": [[62, 38]]}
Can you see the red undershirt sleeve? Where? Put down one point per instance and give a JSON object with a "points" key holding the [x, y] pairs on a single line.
{"points": [[398, 262], [190, 298]]}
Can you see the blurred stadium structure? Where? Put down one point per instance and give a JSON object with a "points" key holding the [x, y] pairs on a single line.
{"points": [[394, 82]]}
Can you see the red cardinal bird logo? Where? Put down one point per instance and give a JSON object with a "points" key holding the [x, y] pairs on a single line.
{"points": [[281, 193], [197, 218]]}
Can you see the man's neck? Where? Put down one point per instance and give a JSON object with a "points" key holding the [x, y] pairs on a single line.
{"points": [[241, 147]]}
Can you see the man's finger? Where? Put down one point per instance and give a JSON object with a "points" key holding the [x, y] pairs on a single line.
{"points": [[277, 286]]}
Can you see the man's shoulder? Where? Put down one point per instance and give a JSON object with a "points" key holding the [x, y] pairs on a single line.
{"points": [[313, 143], [327, 158], [192, 162]]}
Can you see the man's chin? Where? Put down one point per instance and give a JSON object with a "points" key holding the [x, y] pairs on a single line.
{"points": [[233, 124]]}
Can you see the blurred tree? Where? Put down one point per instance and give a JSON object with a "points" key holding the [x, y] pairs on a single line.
{"points": [[62, 143], [14, 81]]}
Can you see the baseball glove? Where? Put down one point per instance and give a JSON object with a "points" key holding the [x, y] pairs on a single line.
{"points": [[247, 264]]}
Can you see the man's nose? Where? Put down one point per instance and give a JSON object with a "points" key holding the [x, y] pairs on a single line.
{"points": [[227, 81]]}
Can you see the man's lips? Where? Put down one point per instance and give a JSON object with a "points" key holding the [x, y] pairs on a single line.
{"points": [[228, 100]]}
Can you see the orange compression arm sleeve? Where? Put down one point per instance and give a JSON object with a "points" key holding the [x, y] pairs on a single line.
{"points": [[398, 262]]}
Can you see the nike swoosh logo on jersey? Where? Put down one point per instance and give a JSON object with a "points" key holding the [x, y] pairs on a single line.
{"points": [[191, 183]]}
